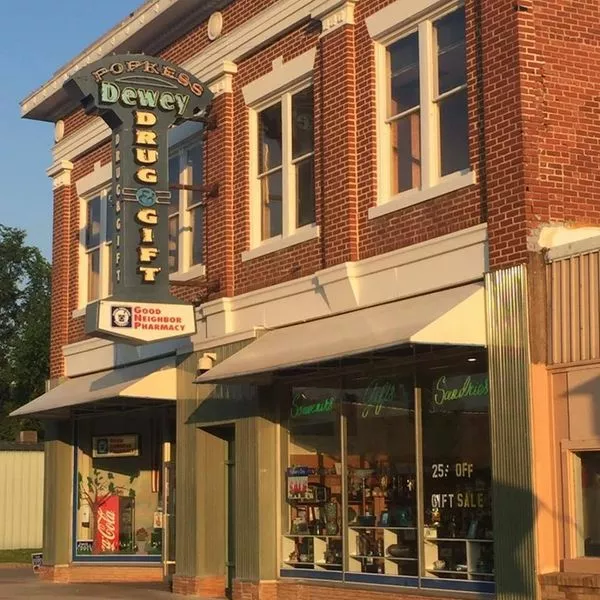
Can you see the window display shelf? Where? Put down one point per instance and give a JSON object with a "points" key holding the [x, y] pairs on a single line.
{"points": [[475, 554], [476, 541], [382, 528]]}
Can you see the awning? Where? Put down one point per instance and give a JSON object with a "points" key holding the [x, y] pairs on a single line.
{"points": [[150, 380], [451, 317]]}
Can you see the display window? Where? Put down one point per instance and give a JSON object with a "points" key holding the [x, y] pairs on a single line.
{"points": [[118, 495], [388, 478]]}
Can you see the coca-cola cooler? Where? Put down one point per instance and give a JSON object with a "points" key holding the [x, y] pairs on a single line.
{"points": [[115, 525], [126, 521]]}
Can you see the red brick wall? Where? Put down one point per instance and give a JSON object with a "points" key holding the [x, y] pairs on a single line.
{"points": [[219, 213], [561, 81], [533, 82], [206, 587], [569, 586], [294, 590], [101, 574], [61, 285]]}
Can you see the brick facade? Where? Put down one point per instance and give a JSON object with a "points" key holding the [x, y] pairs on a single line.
{"points": [[206, 587], [569, 586], [533, 85], [101, 574], [298, 590]]}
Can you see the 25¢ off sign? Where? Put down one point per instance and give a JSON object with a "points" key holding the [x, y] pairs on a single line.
{"points": [[146, 321]]}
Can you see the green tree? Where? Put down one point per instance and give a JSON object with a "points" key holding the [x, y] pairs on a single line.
{"points": [[24, 327]]}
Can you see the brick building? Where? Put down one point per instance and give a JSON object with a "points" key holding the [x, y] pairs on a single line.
{"points": [[394, 262]]}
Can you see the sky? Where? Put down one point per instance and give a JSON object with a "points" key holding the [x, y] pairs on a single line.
{"points": [[38, 37]]}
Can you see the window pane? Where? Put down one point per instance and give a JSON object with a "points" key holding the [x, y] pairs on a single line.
{"points": [[589, 520], [382, 494], [93, 275], [457, 476], [195, 172], [454, 133], [174, 177], [302, 123], [173, 244], [403, 60], [312, 535], [197, 235], [305, 192], [271, 205], [450, 34], [92, 229], [117, 498], [269, 138], [406, 153]]}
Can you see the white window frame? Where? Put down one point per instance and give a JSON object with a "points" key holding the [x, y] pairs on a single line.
{"points": [[387, 26], [185, 240], [103, 247], [278, 86]]}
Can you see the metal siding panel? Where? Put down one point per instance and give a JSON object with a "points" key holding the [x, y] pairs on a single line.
{"points": [[247, 559], [575, 303], [22, 474], [513, 498], [574, 309], [196, 501], [565, 337], [555, 312], [594, 308], [584, 307]]}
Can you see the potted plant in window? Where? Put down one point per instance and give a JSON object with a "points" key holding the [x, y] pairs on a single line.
{"points": [[141, 537]]}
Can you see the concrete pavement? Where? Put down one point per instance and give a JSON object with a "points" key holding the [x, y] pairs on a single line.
{"points": [[17, 582]]}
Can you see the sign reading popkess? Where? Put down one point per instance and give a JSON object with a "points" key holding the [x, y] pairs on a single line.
{"points": [[139, 97]]}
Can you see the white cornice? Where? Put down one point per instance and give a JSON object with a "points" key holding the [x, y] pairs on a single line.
{"points": [[338, 17], [140, 18], [224, 84], [60, 172], [211, 64]]}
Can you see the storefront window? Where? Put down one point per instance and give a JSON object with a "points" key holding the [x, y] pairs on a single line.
{"points": [[382, 499], [313, 482], [118, 493], [357, 453], [457, 478], [589, 523]]}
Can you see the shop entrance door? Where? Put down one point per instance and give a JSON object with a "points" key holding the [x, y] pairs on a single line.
{"points": [[230, 510], [169, 509]]}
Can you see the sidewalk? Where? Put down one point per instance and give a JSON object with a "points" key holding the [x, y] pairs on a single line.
{"points": [[18, 582]]}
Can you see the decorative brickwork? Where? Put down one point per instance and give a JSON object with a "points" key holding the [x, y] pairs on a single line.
{"points": [[295, 590], [569, 586], [208, 587], [102, 574]]}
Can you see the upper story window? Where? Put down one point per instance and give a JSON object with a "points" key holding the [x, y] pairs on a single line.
{"points": [[97, 243], [282, 147], [186, 215], [422, 100], [285, 175]]}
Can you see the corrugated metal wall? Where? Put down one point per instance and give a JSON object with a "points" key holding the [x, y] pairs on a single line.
{"points": [[574, 311], [21, 499], [513, 498]]}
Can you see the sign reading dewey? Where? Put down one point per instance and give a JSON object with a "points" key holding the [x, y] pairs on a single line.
{"points": [[139, 97]]}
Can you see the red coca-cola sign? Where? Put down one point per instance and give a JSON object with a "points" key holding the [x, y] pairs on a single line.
{"points": [[106, 538]]}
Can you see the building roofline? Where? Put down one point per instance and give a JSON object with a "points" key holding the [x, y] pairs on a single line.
{"points": [[148, 29]]}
